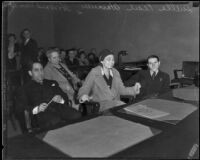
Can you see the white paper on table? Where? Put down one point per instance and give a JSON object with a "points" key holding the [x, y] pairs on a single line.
{"points": [[145, 111], [177, 110]]}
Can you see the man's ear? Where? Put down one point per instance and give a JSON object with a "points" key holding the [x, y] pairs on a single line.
{"points": [[30, 73], [159, 63]]}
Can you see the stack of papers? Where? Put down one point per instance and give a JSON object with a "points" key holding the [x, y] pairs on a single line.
{"points": [[145, 111], [160, 109], [132, 68]]}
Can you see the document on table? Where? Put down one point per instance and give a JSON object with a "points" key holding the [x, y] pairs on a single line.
{"points": [[162, 110], [98, 137], [145, 111], [132, 68]]}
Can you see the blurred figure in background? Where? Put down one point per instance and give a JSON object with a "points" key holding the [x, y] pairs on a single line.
{"points": [[83, 61], [63, 56], [71, 59], [42, 58], [13, 61], [93, 60], [29, 52]]}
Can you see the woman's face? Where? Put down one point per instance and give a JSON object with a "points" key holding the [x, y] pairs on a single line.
{"points": [[62, 54], [71, 54], [108, 61], [11, 39], [82, 56], [54, 58]]}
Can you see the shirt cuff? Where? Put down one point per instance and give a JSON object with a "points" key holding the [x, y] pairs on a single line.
{"points": [[62, 101], [35, 110]]}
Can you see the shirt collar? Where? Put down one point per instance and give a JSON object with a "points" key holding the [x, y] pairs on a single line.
{"points": [[151, 72], [102, 72], [27, 40]]}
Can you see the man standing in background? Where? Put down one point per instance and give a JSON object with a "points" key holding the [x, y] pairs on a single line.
{"points": [[29, 50]]}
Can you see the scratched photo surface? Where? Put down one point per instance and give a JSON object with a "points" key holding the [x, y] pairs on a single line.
{"points": [[167, 29]]}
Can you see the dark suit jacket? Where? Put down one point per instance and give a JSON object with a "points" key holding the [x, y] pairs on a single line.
{"points": [[149, 87], [29, 52], [33, 94]]}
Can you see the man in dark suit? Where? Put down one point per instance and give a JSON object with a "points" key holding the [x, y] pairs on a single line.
{"points": [[29, 51], [154, 82], [44, 99]]}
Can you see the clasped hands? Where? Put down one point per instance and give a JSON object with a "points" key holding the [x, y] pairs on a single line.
{"points": [[43, 106], [84, 98], [137, 87]]}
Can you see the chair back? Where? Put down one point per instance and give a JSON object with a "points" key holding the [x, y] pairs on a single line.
{"points": [[190, 69], [89, 108]]}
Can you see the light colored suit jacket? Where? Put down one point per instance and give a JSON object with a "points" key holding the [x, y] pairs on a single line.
{"points": [[50, 72], [95, 86]]}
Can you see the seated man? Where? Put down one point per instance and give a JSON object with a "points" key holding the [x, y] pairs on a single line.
{"points": [[44, 99], [153, 81]]}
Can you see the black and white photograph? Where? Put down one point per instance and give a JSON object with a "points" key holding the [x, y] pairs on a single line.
{"points": [[100, 80]]}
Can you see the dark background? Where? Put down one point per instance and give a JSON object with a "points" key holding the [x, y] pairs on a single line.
{"points": [[171, 34]]}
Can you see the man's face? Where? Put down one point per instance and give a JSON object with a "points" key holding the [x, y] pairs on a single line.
{"points": [[54, 58], [153, 64], [71, 54], [108, 61], [27, 34], [37, 72]]}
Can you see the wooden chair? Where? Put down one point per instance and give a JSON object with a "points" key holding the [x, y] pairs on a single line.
{"points": [[186, 75]]}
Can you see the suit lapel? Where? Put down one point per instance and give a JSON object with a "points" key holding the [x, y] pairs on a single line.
{"points": [[103, 85], [57, 72]]}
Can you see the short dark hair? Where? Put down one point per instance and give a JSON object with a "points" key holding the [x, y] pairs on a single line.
{"points": [[31, 63], [152, 56], [11, 35], [26, 29]]}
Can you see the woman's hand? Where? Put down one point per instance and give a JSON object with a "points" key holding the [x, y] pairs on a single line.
{"points": [[84, 98], [137, 87]]}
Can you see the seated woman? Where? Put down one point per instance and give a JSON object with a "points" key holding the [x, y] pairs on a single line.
{"points": [[55, 70], [42, 58], [83, 61], [71, 59], [93, 60], [104, 85]]}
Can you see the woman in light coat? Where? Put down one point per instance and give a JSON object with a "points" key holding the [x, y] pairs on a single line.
{"points": [[104, 85]]}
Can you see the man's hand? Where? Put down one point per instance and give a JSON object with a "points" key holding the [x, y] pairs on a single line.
{"points": [[57, 99], [42, 107]]}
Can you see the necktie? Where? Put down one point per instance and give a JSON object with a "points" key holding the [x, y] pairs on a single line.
{"points": [[153, 75]]}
